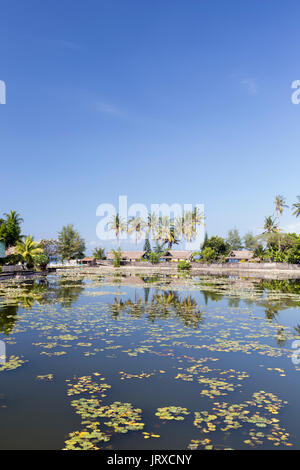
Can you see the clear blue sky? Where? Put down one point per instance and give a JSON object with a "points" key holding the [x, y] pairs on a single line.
{"points": [[164, 101]]}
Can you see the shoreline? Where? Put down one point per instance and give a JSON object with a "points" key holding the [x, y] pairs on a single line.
{"points": [[216, 270]]}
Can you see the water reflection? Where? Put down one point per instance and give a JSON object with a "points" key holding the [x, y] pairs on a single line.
{"points": [[156, 297], [160, 305], [41, 291]]}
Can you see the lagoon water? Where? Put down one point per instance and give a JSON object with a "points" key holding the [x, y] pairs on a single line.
{"points": [[149, 363]]}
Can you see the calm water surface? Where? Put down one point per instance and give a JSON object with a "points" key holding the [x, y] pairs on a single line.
{"points": [[149, 363]]}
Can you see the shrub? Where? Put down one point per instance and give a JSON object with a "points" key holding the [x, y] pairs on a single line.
{"points": [[183, 266], [154, 257], [209, 254], [41, 261], [117, 257]]}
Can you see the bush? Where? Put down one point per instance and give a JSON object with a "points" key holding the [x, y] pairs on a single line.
{"points": [[154, 257], [117, 258], [183, 266], [41, 261], [209, 254]]}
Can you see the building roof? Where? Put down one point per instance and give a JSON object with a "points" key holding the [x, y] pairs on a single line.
{"points": [[178, 254], [240, 254], [128, 255], [87, 259]]}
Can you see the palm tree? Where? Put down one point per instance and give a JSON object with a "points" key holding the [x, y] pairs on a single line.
{"points": [[189, 226], [152, 224], [270, 225], [198, 217], [280, 204], [11, 228], [99, 253], [171, 237], [118, 225], [28, 249], [137, 225], [14, 217], [296, 207]]}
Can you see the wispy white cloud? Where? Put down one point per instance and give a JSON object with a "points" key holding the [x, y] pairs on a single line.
{"points": [[108, 109], [250, 84]]}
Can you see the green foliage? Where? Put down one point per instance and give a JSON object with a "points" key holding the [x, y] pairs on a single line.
{"points": [[234, 239], [214, 248], [117, 257], [218, 244], [183, 266], [282, 248], [209, 254], [28, 250], [99, 253], [296, 207], [154, 257], [71, 245], [147, 248], [259, 252], [250, 241], [10, 228], [270, 225], [41, 260]]}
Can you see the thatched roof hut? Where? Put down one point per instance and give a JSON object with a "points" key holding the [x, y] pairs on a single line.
{"points": [[235, 256], [128, 255], [177, 255]]}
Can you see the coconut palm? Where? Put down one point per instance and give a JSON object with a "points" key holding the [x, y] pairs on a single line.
{"points": [[280, 204], [198, 217], [118, 225], [189, 226], [152, 224], [28, 249], [14, 217], [171, 238], [270, 225], [137, 225], [296, 207]]}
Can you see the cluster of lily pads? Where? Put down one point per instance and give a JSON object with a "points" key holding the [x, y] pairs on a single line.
{"points": [[162, 322]]}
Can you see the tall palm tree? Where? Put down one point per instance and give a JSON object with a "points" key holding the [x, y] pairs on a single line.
{"points": [[28, 249], [280, 205], [296, 207], [152, 224], [171, 238], [270, 225], [198, 217], [137, 225], [118, 225], [14, 217], [189, 226]]}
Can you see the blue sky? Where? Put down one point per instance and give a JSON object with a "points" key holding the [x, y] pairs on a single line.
{"points": [[163, 101]]}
